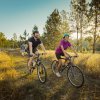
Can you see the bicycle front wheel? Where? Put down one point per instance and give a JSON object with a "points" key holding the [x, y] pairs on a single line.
{"points": [[42, 75], [75, 76]]}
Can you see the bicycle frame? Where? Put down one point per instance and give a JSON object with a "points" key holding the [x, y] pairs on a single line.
{"points": [[38, 61], [69, 64]]}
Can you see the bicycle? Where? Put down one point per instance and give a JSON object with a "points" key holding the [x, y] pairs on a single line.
{"points": [[41, 70], [74, 74]]}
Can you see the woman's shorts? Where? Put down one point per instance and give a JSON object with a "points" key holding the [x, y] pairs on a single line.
{"points": [[58, 56]]}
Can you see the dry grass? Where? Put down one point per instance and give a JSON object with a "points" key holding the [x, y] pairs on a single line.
{"points": [[5, 60], [6, 67], [7, 75], [89, 62], [17, 90]]}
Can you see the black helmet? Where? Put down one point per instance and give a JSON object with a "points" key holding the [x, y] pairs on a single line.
{"points": [[35, 32]]}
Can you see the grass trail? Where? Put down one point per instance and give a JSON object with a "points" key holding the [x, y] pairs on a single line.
{"points": [[21, 86]]}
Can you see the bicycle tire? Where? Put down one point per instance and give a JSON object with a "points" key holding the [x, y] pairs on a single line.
{"points": [[72, 70], [42, 79], [53, 66]]}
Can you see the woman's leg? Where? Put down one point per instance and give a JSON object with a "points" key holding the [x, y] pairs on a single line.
{"points": [[59, 64]]}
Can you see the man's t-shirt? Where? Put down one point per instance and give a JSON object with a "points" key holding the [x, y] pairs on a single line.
{"points": [[35, 43], [65, 45]]}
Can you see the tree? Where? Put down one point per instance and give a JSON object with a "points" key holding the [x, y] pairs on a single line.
{"points": [[23, 38], [35, 28], [52, 34], [14, 39], [64, 27], [74, 20], [2, 39], [94, 12], [25, 35], [79, 10]]}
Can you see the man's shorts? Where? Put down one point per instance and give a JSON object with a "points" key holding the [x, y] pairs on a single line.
{"points": [[34, 50], [58, 56]]}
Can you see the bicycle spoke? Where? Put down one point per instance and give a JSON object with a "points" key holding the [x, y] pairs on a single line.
{"points": [[75, 76], [42, 73]]}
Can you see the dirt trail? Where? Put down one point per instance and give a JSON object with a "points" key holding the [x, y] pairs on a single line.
{"points": [[55, 88]]}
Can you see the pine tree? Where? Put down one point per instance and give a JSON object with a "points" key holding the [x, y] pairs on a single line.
{"points": [[52, 34]]}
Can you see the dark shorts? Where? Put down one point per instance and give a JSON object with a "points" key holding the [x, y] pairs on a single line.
{"points": [[58, 56], [34, 50]]}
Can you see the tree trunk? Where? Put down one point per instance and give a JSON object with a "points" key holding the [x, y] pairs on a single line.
{"points": [[81, 37], [77, 39], [94, 40]]}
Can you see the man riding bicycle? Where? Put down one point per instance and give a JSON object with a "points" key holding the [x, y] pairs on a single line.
{"points": [[60, 51], [33, 43]]}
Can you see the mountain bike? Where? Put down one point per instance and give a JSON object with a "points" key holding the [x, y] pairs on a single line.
{"points": [[41, 70], [74, 73]]}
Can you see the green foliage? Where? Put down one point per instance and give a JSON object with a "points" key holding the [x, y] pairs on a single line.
{"points": [[35, 28], [86, 15], [6, 43], [2, 39], [23, 38], [25, 35], [55, 26]]}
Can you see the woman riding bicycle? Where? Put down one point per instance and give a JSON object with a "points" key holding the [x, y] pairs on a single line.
{"points": [[60, 51]]}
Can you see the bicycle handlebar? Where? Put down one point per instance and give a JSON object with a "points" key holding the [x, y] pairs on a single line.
{"points": [[37, 55], [73, 56], [40, 54], [67, 58]]}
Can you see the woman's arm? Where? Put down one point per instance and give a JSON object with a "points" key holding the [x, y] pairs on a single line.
{"points": [[65, 54], [72, 48]]}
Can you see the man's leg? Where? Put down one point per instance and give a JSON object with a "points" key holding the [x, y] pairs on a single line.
{"points": [[30, 62]]}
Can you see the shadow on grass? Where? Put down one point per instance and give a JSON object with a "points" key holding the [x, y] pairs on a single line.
{"points": [[34, 90], [6, 90], [9, 91]]}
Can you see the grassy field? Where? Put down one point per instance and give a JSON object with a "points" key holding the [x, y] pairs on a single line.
{"points": [[13, 67]]}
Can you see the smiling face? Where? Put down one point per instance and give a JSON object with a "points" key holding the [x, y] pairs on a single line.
{"points": [[66, 38], [37, 35]]}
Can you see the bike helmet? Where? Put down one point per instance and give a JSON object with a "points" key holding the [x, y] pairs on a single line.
{"points": [[65, 34]]}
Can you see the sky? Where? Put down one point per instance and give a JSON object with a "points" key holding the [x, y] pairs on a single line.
{"points": [[18, 15]]}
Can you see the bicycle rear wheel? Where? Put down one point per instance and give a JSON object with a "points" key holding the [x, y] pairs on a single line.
{"points": [[42, 75], [75, 76], [54, 66]]}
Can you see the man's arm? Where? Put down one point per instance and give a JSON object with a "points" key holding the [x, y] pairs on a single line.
{"points": [[30, 47], [43, 48]]}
